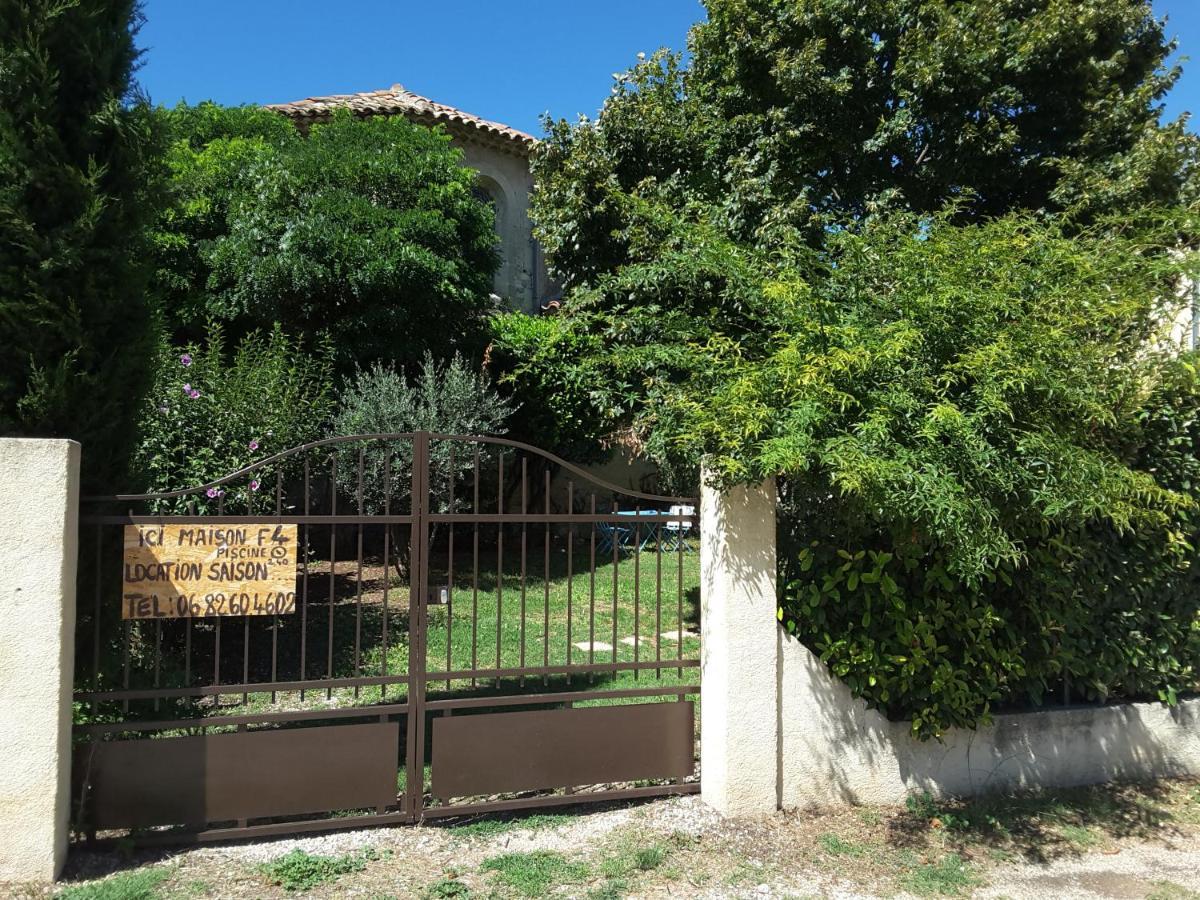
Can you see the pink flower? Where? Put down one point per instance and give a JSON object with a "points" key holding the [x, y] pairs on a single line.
{"points": [[254, 445], [254, 485], [185, 360], [187, 388], [195, 395], [211, 492]]}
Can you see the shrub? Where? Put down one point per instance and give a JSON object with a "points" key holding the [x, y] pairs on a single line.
{"points": [[449, 399], [365, 228], [553, 404], [1009, 511], [78, 179], [211, 413]]}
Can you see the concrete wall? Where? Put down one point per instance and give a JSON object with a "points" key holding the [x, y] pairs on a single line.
{"points": [[833, 749], [39, 502], [780, 731]]}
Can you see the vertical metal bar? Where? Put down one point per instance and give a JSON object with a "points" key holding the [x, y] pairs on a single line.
{"points": [[96, 614], [524, 537], [245, 654], [616, 508], [275, 618], [127, 631], [304, 583], [637, 587], [570, 552], [418, 580], [332, 567], [450, 574], [499, 563], [679, 602], [217, 627], [217, 658], [592, 591], [546, 583], [358, 585], [387, 571], [658, 631], [125, 665], [187, 633], [423, 622], [157, 657], [475, 576]]}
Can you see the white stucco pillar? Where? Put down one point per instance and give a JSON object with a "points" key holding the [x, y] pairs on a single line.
{"points": [[739, 656], [39, 504]]}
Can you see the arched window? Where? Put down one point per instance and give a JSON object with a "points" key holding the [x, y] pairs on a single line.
{"points": [[488, 191]]}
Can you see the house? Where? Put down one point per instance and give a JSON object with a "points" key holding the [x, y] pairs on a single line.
{"points": [[499, 154]]}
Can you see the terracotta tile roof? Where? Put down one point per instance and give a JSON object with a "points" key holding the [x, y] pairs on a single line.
{"points": [[397, 100]]}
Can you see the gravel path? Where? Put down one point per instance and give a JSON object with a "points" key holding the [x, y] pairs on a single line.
{"points": [[710, 858], [1134, 873]]}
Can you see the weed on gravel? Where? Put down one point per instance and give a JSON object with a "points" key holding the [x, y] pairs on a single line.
{"points": [[300, 871], [533, 874]]}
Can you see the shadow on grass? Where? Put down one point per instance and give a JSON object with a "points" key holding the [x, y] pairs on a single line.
{"points": [[1046, 825]]}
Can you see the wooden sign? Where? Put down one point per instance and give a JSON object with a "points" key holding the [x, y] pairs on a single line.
{"points": [[182, 571]]}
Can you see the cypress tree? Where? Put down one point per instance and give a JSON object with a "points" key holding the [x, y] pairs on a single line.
{"points": [[78, 153]]}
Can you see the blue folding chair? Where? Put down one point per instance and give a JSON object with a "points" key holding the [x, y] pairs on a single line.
{"points": [[612, 535]]}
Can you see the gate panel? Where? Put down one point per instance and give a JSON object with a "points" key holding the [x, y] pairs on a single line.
{"points": [[246, 775], [567, 609], [538, 749]]}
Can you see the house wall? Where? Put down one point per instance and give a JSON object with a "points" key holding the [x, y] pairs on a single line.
{"points": [[521, 278]]}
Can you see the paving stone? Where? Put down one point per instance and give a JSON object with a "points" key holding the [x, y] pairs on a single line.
{"points": [[598, 645]]}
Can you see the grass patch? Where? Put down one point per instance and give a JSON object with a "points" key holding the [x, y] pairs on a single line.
{"points": [[300, 871], [445, 888], [948, 877], [193, 888], [1081, 836], [492, 826], [534, 874], [1168, 890], [837, 846], [138, 884], [629, 860]]}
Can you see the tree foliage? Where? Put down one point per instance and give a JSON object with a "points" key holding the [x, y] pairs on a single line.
{"points": [[916, 259], [795, 117], [365, 228], [211, 156], [77, 178]]}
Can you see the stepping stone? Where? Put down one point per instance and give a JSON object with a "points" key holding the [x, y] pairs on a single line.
{"points": [[632, 641], [674, 635], [598, 645]]}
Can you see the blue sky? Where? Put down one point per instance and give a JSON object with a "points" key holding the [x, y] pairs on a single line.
{"points": [[508, 60]]}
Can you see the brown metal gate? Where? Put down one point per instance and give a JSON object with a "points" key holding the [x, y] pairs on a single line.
{"points": [[479, 626]]}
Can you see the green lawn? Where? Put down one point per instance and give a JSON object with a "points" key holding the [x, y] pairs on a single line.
{"points": [[506, 622]]}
